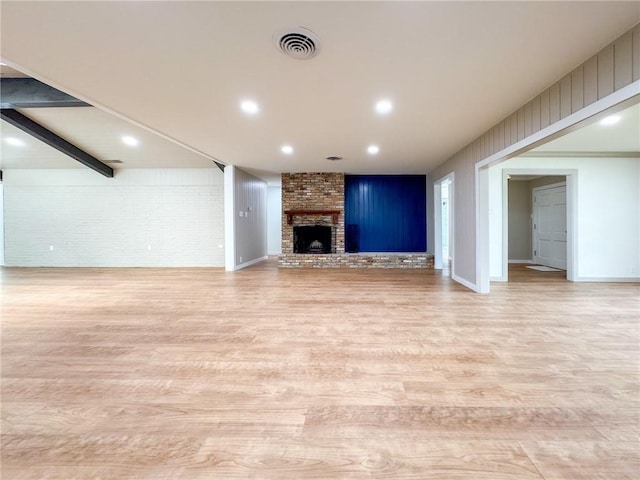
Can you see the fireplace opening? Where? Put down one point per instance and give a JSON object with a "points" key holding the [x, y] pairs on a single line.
{"points": [[312, 239]]}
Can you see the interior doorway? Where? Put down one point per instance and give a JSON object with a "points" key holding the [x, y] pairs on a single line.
{"points": [[446, 224], [538, 220], [444, 231]]}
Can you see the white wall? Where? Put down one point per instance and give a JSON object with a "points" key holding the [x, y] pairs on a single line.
{"points": [[274, 220], [246, 218], [141, 217], [1, 223], [607, 221]]}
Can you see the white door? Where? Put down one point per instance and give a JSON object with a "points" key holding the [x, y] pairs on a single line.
{"points": [[550, 226]]}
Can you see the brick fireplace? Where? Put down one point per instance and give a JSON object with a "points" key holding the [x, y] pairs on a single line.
{"points": [[317, 199], [313, 192]]}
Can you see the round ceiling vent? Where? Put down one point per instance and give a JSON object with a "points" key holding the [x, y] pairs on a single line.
{"points": [[298, 43], [333, 158]]}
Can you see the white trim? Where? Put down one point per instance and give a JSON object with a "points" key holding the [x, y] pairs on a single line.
{"points": [[608, 279], [437, 206], [505, 230], [482, 235], [529, 261], [464, 282], [249, 263], [229, 218], [437, 225], [482, 228]]}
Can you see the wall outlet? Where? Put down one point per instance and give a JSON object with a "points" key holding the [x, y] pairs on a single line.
{"points": [[51, 248], [148, 247], [240, 259]]}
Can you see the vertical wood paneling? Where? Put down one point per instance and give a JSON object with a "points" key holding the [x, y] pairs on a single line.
{"points": [[535, 114], [554, 103], [528, 120], [577, 89], [251, 232], [513, 120], [506, 131], [590, 80], [500, 136], [623, 61], [545, 109], [565, 96], [520, 124], [487, 145], [390, 211], [636, 53], [605, 72]]}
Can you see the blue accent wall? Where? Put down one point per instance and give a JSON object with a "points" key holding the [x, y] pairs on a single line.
{"points": [[390, 212]]}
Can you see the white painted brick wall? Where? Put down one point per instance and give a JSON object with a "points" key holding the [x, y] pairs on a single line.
{"points": [[142, 217]]}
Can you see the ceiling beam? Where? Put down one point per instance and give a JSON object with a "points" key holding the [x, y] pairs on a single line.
{"points": [[30, 93], [36, 130]]}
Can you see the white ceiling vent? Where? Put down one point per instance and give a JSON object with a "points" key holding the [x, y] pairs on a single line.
{"points": [[298, 43]]}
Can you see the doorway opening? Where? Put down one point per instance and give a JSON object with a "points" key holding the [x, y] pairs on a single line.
{"points": [[535, 226], [532, 219], [444, 232]]}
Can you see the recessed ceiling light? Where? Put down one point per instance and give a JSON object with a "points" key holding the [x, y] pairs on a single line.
{"points": [[610, 120], [249, 107], [287, 149], [14, 142], [373, 149], [129, 140], [384, 106]]}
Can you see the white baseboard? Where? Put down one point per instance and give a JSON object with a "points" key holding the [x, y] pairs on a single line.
{"points": [[249, 263], [608, 279], [520, 261], [464, 282]]}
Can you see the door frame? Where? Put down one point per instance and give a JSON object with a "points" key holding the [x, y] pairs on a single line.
{"points": [[437, 215], [571, 182]]}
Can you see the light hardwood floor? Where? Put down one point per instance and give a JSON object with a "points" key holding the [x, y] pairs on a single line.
{"points": [[297, 374]]}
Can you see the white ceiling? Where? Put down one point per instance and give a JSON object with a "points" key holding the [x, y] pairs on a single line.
{"points": [[623, 136], [97, 133], [452, 69]]}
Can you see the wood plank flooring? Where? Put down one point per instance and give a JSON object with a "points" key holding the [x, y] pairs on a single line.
{"points": [[316, 374]]}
